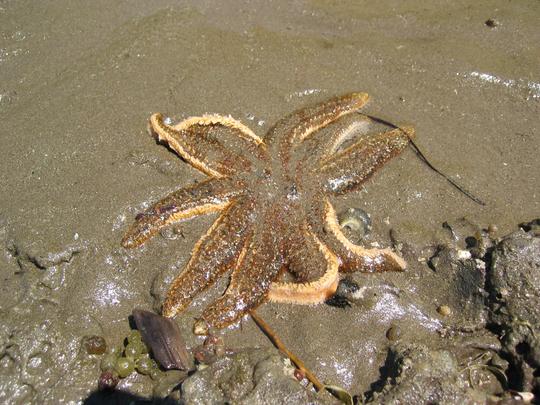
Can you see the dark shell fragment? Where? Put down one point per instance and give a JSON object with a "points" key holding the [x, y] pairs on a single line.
{"points": [[163, 338]]}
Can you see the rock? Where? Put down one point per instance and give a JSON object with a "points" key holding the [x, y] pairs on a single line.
{"points": [[514, 287], [418, 375], [514, 279], [252, 376]]}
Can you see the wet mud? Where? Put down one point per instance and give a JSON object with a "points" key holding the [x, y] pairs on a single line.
{"points": [[78, 84]]}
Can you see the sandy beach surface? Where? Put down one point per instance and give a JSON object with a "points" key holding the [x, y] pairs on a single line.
{"points": [[79, 80]]}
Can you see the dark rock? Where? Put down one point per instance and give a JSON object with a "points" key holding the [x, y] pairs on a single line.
{"points": [[514, 279], [514, 287]]}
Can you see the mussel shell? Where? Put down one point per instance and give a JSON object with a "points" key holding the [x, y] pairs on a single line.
{"points": [[162, 336]]}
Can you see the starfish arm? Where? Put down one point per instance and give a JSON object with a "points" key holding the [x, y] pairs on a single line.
{"points": [[298, 126], [325, 226], [349, 168], [324, 143], [259, 264], [214, 254], [217, 146], [202, 198], [304, 261]]}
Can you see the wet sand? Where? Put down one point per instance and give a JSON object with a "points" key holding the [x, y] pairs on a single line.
{"points": [[79, 82]]}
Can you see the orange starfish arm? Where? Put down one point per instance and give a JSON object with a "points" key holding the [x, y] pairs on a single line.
{"points": [[213, 255], [303, 262], [301, 124], [216, 119], [217, 146], [258, 265], [325, 143], [352, 257], [352, 166], [209, 196]]}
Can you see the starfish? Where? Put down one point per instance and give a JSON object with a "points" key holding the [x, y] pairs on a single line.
{"points": [[277, 233]]}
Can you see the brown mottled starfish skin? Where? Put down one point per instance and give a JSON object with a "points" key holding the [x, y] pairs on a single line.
{"points": [[273, 196]]}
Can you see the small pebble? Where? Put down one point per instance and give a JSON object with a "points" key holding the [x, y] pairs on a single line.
{"points": [[492, 229], [491, 23], [444, 310], [299, 374], [393, 333], [108, 380], [200, 328], [347, 287], [204, 355], [94, 344]]}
